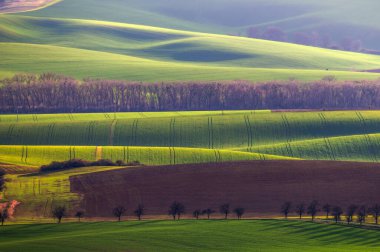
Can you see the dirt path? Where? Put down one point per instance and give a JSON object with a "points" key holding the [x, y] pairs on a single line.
{"points": [[24, 5], [98, 153]]}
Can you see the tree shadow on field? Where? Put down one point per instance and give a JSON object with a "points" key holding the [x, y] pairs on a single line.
{"points": [[328, 233]]}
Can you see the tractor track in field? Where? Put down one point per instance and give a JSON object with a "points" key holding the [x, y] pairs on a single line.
{"points": [[112, 132]]}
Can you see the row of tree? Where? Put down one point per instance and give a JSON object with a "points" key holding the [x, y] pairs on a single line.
{"points": [[50, 93], [177, 209], [361, 212]]}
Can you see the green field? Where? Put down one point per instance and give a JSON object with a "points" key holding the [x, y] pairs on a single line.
{"points": [[335, 18], [102, 49], [185, 137], [246, 235], [38, 155], [39, 193]]}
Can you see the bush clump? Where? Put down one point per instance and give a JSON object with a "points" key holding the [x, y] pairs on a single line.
{"points": [[79, 163]]}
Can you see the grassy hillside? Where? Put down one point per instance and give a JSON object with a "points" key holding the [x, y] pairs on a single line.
{"points": [[39, 155], [189, 236], [352, 148], [187, 129], [195, 136], [180, 46], [100, 49], [40, 193], [81, 63], [335, 18]]}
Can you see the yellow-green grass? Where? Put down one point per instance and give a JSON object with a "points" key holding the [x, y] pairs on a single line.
{"points": [[44, 191], [364, 147], [73, 117], [178, 46], [196, 136], [241, 129], [32, 58], [100, 49], [190, 235], [39, 155], [226, 16]]}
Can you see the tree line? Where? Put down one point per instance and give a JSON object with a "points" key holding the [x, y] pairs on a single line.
{"points": [[177, 209], [50, 93], [312, 38], [352, 212]]}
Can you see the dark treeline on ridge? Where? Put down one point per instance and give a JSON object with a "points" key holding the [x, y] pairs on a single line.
{"points": [[50, 93]]}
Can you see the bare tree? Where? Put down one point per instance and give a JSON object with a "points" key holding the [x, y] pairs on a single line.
{"points": [[4, 215], [119, 211], [350, 212], [79, 215], [285, 209], [327, 209], [362, 214], [208, 212], [2, 180], [197, 213], [176, 209], [337, 213], [58, 213], [139, 212], [239, 211], [312, 209], [300, 210], [225, 209], [375, 211]]}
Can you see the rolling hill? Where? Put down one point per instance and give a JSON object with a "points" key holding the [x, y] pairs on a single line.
{"points": [[103, 49], [336, 18], [185, 137]]}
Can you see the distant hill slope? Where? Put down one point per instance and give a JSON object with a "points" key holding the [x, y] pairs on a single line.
{"points": [[16, 6], [146, 53], [336, 18]]}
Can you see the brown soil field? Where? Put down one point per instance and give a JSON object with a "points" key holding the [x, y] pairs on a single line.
{"points": [[261, 187], [22, 5]]}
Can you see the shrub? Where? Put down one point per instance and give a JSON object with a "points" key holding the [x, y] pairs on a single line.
{"points": [[78, 163]]}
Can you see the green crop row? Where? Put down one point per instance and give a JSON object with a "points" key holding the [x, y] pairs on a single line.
{"points": [[39, 155], [219, 131]]}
